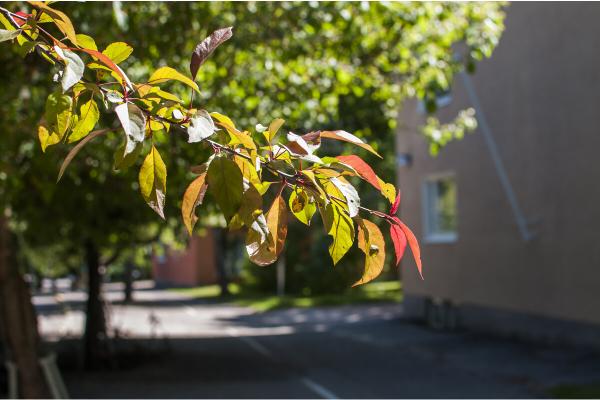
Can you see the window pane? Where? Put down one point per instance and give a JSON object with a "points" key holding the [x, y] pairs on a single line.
{"points": [[446, 206]]}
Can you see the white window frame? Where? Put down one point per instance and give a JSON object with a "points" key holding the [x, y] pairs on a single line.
{"points": [[436, 237]]}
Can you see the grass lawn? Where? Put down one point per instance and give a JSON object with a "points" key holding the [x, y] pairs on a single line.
{"points": [[390, 291], [575, 391]]}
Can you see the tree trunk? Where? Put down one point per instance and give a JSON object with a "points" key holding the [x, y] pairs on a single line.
{"points": [[95, 324], [128, 281], [18, 323], [221, 246]]}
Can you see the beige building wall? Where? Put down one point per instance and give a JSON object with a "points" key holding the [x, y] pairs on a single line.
{"points": [[540, 93]]}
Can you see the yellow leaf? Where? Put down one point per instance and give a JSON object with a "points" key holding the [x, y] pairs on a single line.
{"points": [[371, 242], [153, 181], [88, 118], [302, 205], [339, 226], [166, 74], [387, 190], [47, 139]]}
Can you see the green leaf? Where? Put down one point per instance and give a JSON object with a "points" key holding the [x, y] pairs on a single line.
{"points": [[8, 35], [118, 51], [193, 196], [58, 113], [153, 181], [74, 67], [86, 41], [125, 160], [133, 121], [76, 149], [371, 242], [225, 183], [88, 118], [340, 227], [302, 206], [201, 127], [165, 74]]}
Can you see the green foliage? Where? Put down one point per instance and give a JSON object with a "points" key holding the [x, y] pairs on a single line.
{"points": [[314, 83]]}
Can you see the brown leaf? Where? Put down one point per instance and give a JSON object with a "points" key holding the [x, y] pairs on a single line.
{"points": [[76, 149], [207, 46], [194, 194]]}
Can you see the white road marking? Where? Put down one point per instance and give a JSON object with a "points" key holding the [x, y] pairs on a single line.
{"points": [[318, 389], [190, 311], [315, 387]]}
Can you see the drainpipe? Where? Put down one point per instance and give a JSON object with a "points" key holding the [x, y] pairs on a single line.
{"points": [[526, 234]]}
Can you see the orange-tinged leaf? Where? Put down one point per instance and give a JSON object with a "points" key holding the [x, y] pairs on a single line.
{"points": [[371, 242], [192, 198], [364, 170], [109, 63], [348, 137], [413, 243], [62, 22], [266, 252]]}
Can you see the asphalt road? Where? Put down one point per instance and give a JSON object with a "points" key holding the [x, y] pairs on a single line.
{"points": [[190, 349]]}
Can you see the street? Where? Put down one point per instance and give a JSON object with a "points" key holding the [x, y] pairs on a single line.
{"points": [[219, 350]]}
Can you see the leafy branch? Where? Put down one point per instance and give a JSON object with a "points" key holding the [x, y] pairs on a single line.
{"points": [[244, 164]]}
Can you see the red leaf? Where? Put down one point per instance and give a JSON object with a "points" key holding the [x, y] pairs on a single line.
{"points": [[396, 204], [21, 21], [399, 239], [413, 243], [363, 169]]}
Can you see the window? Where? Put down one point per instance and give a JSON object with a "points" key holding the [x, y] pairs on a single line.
{"points": [[440, 216]]}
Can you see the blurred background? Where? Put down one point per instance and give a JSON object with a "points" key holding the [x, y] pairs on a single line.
{"points": [[486, 117]]}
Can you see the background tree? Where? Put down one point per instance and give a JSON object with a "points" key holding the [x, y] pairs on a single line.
{"points": [[292, 69]]}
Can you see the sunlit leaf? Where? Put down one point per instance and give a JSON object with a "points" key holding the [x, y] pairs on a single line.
{"points": [[133, 122], [350, 194], [88, 118], [302, 205], [86, 41], [201, 127], [399, 241], [166, 74], [267, 252], [8, 35], [194, 194], [363, 169], [412, 242], [387, 190], [273, 129], [58, 113], [47, 138], [371, 242], [74, 68], [62, 22], [118, 51], [206, 47], [114, 68], [340, 227], [225, 183], [315, 137], [153, 181]]}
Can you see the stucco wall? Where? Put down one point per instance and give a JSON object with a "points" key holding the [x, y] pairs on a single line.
{"points": [[540, 92]]}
